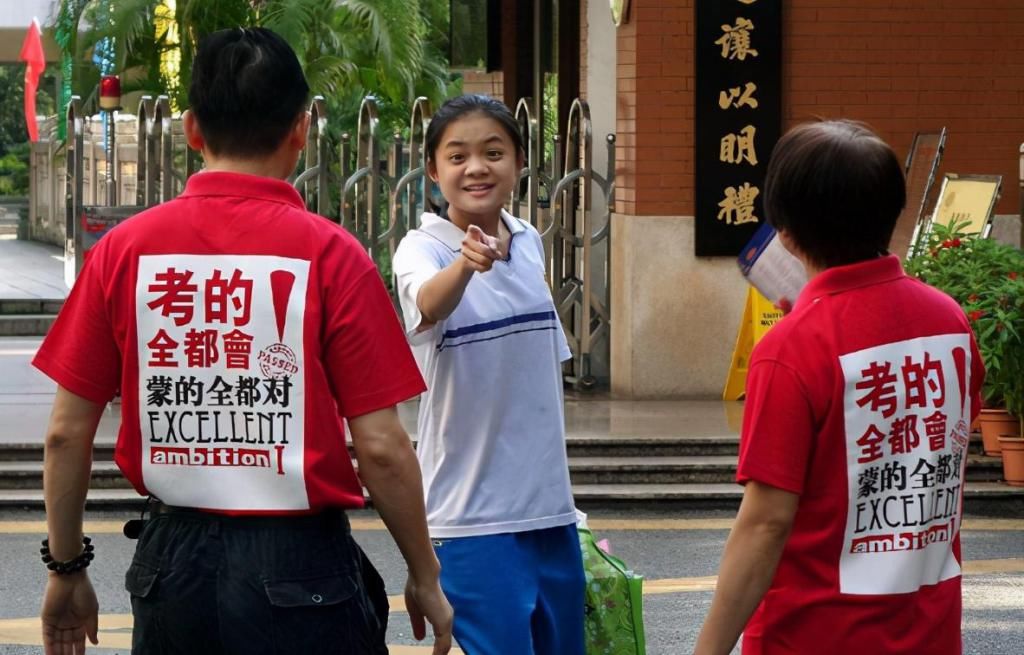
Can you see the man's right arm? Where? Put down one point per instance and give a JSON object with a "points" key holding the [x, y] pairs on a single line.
{"points": [[389, 470]]}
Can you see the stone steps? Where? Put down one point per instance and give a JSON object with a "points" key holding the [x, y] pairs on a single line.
{"points": [[578, 446], [26, 325], [989, 498], [613, 471], [27, 318]]}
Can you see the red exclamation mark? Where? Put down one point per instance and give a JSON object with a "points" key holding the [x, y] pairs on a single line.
{"points": [[960, 360], [281, 283], [280, 459], [961, 432]]}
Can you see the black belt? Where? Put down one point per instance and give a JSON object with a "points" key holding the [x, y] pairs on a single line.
{"points": [[155, 507]]}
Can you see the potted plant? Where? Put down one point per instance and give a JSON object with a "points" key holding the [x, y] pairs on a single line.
{"points": [[1011, 440], [987, 279]]}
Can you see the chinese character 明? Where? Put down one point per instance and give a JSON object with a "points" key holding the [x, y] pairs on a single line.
{"points": [[237, 348], [735, 40], [201, 348], [879, 381], [188, 390], [916, 377], [867, 482], [894, 476], [903, 436], [870, 444], [277, 391], [219, 290], [935, 430], [736, 97], [178, 296], [737, 148], [159, 388], [738, 205], [162, 350], [924, 474]]}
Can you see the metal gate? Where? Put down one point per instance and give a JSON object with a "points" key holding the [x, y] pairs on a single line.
{"points": [[382, 191]]}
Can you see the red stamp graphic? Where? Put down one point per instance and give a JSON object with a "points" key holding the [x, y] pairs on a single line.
{"points": [[278, 361]]}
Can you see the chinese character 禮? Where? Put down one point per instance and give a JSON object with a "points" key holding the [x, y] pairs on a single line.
{"points": [[737, 207]]}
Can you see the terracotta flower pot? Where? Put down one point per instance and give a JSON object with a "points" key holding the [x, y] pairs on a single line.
{"points": [[1013, 460], [996, 422]]}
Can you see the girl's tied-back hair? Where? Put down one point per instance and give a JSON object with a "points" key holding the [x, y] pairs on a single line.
{"points": [[464, 105]]}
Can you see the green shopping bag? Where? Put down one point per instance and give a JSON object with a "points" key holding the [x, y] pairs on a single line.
{"points": [[614, 621]]}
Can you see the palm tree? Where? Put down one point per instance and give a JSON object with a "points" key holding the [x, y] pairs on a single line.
{"points": [[392, 49]]}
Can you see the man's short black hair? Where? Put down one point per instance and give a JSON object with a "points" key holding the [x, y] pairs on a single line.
{"points": [[837, 189], [247, 91]]}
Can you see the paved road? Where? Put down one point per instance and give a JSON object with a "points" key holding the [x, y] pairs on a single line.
{"points": [[676, 553]]}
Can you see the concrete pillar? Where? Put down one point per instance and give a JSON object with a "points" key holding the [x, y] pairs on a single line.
{"points": [[674, 316]]}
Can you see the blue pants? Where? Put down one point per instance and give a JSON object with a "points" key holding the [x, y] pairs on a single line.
{"points": [[517, 593]]}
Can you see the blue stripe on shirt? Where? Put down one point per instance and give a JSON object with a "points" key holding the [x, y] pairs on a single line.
{"points": [[500, 323], [489, 326]]}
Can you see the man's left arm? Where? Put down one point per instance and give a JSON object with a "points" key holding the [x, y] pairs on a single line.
{"points": [[70, 608], [751, 555]]}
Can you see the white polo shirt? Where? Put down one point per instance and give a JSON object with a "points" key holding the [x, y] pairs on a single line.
{"points": [[491, 426]]}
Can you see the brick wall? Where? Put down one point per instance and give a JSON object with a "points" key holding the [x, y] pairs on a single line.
{"points": [[900, 65], [654, 120], [584, 30], [489, 84]]}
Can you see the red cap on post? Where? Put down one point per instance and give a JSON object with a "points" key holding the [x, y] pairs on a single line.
{"points": [[110, 92]]}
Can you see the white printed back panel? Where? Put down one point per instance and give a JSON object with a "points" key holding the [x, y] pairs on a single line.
{"points": [[221, 392], [907, 406]]}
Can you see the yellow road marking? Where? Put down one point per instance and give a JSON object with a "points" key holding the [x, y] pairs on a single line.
{"points": [[115, 632], [982, 566], [597, 525], [677, 585]]}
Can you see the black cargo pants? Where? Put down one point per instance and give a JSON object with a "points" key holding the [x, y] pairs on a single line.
{"points": [[203, 583]]}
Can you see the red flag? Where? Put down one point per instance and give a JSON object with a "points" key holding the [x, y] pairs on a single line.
{"points": [[35, 60]]}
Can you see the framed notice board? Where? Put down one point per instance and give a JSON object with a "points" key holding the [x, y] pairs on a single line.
{"points": [[968, 200], [738, 118]]}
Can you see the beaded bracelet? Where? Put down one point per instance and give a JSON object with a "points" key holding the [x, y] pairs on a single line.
{"points": [[72, 565]]}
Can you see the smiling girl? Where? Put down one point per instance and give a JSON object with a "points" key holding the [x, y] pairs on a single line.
{"points": [[491, 432]]}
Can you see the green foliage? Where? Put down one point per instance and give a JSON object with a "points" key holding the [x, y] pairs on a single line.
{"points": [[14, 171], [14, 145], [987, 279], [392, 49]]}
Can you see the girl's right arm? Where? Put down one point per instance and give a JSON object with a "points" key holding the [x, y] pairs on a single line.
{"points": [[441, 294]]}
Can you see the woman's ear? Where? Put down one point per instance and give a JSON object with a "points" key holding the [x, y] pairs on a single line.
{"points": [[520, 160], [193, 135], [432, 170]]}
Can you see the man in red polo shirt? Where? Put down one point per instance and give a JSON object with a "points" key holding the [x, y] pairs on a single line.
{"points": [[240, 329], [855, 428]]}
